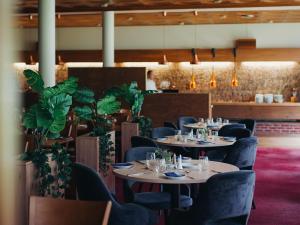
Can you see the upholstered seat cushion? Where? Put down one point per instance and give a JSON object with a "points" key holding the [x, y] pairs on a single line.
{"points": [[160, 200]]}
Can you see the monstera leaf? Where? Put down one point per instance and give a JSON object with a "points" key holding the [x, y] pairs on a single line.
{"points": [[30, 117], [84, 113], [68, 86], [34, 80], [108, 105], [84, 95], [61, 102]]}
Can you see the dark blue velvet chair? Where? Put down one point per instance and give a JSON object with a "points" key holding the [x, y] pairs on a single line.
{"points": [[242, 153], [225, 200], [160, 132], [152, 200], [185, 120], [90, 187], [140, 141], [250, 124], [225, 131], [170, 124]]}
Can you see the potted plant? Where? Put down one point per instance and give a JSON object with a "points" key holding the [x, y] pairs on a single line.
{"points": [[97, 149], [136, 124], [46, 119]]}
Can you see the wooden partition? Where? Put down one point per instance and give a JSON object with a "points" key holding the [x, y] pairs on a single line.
{"points": [[101, 79], [168, 107]]}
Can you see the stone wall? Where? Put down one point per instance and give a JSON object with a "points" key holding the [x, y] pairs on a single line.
{"points": [[253, 77]]}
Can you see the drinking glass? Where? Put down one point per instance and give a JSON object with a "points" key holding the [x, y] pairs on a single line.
{"points": [[219, 120], [201, 120], [226, 121], [204, 162], [150, 156], [162, 165], [154, 165]]}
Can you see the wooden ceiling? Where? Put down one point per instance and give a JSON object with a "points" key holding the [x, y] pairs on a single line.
{"points": [[172, 18], [30, 6]]}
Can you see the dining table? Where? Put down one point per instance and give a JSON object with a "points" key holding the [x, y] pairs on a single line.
{"points": [[138, 172], [201, 125], [195, 145]]}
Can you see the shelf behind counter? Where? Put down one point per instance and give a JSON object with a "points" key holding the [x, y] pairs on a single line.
{"points": [[286, 111]]}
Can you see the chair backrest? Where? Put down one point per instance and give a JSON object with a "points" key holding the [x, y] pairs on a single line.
{"points": [[225, 130], [185, 120], [170, 124], [89, 185], [239, 133], [250, 124], [242, 153], [140, 141], [227, 195], [67, 212], [160, 132]]}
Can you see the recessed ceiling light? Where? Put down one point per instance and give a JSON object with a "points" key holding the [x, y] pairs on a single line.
{"points": [[247, 16], [130, 18], [196, 13], [164, 13], [217, 1], [30, 17], [271, 21], [181, 23], [222, 17], [58, 16]]}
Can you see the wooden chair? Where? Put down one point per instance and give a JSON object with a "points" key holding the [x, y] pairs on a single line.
{"points": [[49, 211]]}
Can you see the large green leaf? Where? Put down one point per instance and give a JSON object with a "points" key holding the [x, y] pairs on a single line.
{"points": [[84, 95], [60, 102], [59, 121], [108, 105], [34, 80], [44, 118], [30, 117], [84, 113], [68, 86]]}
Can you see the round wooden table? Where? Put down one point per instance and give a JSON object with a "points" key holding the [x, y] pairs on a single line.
{"points": [[140, 173], [200, 125], [212, 141]]}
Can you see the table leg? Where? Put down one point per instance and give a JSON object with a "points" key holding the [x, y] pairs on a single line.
{"points": [[175, 196]]}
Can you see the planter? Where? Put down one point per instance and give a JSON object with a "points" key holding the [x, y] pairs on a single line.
{"points": [[26, 186], [127, 131], [88, 153]]}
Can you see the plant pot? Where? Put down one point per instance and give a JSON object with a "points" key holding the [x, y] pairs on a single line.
{"points": [[27, 185], [88, 153], [127, 131]]}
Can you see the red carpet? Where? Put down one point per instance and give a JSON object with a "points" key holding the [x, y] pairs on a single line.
{"points": [[277, 192]]}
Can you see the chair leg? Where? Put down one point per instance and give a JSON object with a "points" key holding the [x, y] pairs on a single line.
{"points": [[253, 204], [166, 215]]}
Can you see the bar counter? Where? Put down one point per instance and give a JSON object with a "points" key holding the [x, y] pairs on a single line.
{"points": [[286, 111]]}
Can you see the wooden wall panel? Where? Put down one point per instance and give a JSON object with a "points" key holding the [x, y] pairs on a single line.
{"points": [[101, 79], [275, 111], [173, 55], [168, 107]]}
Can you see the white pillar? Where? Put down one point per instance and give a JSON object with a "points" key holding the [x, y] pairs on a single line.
{"points": [[108, 38], [47, 41], [8, 116]]}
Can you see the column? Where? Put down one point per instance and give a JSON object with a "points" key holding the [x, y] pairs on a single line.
{"points": [[47, 41], [108, 38], [8, 116]]}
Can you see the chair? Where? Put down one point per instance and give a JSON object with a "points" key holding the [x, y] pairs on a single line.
{"points": [[139, 141], [250, 124], [170, 124], [185, 120], [242, 153], [225, 200], [239, 133], [90, 187], [160, 132], [67, 212], [225, 130], [152, 200]]}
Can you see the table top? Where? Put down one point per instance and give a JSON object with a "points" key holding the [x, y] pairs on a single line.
{"points": [[140, 173], [200, 125], [213, 141]]}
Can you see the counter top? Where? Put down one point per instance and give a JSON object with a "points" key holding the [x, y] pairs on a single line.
{"points": [[257, 104]]}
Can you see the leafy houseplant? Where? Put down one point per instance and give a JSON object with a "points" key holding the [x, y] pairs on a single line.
{"points": [[134, 97], [99, 115], [47, 118]]}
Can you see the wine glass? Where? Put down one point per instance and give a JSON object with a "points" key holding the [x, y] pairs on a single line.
{"points": [[150, 156]]}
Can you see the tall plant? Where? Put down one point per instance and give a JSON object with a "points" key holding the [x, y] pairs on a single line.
{"points": [[134, 97], [99, 114], [47, 118]]}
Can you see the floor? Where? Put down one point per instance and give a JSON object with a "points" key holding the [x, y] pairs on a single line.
{"points": [[277, 191], [279, 142]]}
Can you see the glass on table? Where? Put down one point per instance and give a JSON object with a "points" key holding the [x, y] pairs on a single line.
{"points": [[150, 156], [219, 120], [162, 165], [201, 120], [203, 162], [226, 121]]}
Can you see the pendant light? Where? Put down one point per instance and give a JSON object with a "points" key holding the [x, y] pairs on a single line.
{"points": [[194, 51], [234, 80], [193, 84], [164, 60], [213, 81]]}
